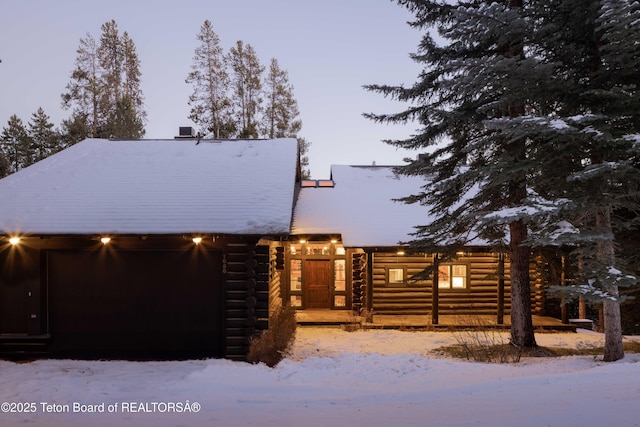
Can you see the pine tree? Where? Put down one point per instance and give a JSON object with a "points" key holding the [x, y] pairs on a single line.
{"points": [[280, 118], [5, 167], [84, 91], [45, 140], [106, 73], [75, 129], [246, 88], [209, 102], [16, 144], [303, 153]]}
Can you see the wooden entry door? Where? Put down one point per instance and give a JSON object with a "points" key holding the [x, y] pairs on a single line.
{"points": [[317, 283]]}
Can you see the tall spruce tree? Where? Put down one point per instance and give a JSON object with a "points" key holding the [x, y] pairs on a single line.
{"points": [[597, 120], [246, 87], [530, 114], [209, 102], [480, 177]]}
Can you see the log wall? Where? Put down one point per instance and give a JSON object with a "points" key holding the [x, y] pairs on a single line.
{"points": [[246, 272], [415, 296]]}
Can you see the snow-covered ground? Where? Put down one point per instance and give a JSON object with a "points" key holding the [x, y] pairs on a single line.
{"points": [[333, 378]]}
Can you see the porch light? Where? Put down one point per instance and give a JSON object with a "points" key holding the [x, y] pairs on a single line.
{"points": [[400, 253], [14, 240], [197, 240], [302, 241], [105, 240], [334, 241]]}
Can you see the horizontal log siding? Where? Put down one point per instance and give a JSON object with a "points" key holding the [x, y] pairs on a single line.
{"points": [[537, 285], [415, 297], [246, 275], [275, 282]]}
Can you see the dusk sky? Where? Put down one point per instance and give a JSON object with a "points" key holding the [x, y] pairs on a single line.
{"points": [[330, 49]]}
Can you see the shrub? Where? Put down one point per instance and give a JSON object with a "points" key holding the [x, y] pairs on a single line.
{"points": [[273, 344], [482, 342]]}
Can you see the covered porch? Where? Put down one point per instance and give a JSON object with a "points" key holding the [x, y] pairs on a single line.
{"points": [[411, 321]]}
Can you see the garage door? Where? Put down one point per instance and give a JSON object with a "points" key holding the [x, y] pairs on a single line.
{"points": [[135, 304]]}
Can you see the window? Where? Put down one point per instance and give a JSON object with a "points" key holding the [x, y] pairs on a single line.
{"points": [[296, 275], [340, 281], [452, 276], [318, 249], [295, 249], [396, 275], [296, 300]]}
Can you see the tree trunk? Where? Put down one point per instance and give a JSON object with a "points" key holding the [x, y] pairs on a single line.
{"points": [[613, 349], [521, 323]]}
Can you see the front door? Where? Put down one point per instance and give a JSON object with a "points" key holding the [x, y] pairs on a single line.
{"points": [[317, 284]]}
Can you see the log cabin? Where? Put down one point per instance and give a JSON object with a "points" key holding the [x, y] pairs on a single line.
{"points": [[143, 249], [345, 253], [164, 249]]}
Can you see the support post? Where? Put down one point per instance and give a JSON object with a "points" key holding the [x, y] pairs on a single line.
{"points": [[564, 313], [369, 298], [434, 292], [500, 308]]}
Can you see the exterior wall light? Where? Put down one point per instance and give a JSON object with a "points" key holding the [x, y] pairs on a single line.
{"points": [[197, 240], [14, 240], [105, 240], [400, 252]]}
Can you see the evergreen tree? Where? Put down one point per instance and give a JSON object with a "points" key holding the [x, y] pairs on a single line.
{"points": [[16, 145], [75, 129], [111, 59], [281, 115], [535, 112], [209, 102], [132, 93], [124, 122], [5, 167], [479, 177], [303, 150], [246, 88], [106, 74], [45, 140], [280, 118], [599, 122], [84, 91]]}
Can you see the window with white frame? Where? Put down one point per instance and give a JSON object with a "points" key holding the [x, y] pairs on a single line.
{"points": [[395, 276], [452, 276]]}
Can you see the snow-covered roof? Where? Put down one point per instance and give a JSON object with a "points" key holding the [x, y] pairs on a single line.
{"points": [[361, 207], [154, 187]]}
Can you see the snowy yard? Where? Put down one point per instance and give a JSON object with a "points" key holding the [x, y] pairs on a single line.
{"points": [[333, 378]]}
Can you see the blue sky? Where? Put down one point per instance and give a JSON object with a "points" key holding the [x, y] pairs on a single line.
{"points": [[330, 49]]}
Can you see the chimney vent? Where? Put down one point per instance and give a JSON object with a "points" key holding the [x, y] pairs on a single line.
{"points": [[185, 132]]}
